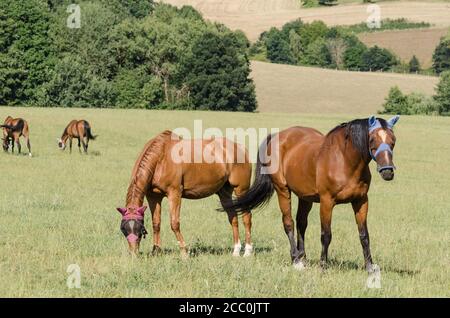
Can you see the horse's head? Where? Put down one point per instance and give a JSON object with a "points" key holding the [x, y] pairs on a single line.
{"points": [[61, 143], [132, 226], [381, 145], [5, 143]]}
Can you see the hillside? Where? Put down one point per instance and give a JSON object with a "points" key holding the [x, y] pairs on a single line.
{"points": [[315, 90], [256, 16]]}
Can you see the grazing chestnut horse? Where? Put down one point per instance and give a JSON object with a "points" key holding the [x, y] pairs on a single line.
{"points": [[78, 129], [13, 129], [329, 170], [160, 172]]}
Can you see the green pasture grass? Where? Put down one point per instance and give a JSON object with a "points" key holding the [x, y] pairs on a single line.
{"points": [[58, 209]]}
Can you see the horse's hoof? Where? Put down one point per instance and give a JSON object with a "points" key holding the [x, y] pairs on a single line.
{"points": [[184, 256], [237, 250], [156, 250], [248, 250], [299, 265], [30, 154]]}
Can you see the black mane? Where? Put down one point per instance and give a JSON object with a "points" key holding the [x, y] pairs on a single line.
{"points": [[357, 131]]}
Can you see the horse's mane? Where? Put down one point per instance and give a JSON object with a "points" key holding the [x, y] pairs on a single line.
{"points": [[357, 131], [145, 166]]}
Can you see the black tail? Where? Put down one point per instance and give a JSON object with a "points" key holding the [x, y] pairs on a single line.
{"points": [[259, 193], [87, 127]]}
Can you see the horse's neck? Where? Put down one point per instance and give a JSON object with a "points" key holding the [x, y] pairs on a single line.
{"points": [[136, 193], [143, 172], [64, 136]]}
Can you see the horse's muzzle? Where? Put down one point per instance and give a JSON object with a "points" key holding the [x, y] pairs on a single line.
{"points": [[387, 174]]}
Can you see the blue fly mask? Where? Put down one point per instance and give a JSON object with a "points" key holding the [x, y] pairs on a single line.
{"points": [[374, 123]]}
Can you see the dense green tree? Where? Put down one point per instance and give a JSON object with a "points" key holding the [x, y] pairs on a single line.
{"points": [[353, 55], [28, 53], [278, 50], [377, 59], [73, 85], [217, 74], [441, 56], [442, 96], [317, 54], [126, 53]]}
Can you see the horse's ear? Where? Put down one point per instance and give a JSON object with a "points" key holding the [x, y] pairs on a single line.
{"points": [[141, 210], [372, 121], [391, 122], [122, 210]]}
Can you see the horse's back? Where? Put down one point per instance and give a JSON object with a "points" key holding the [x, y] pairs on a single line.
{"points": [[202, 167], [299, 147]]}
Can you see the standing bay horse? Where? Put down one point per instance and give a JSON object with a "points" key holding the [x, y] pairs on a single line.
{"points": [[78, 129], [159, 172], [329, 170], [13, 129]]}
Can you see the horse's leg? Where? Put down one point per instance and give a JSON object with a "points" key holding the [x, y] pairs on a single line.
{"points": [[284, 201], [175, 206], [84, 145], [12, 144], [361, 208], [326, 209], [302, 222], [19, 146], [225, 194], [247, 219], [70, 144], [155, 207], [79, 144], [27, 138]]}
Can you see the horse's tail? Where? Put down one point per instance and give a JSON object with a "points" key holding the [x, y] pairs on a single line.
{"points": [[259, 193], [87, 128]]}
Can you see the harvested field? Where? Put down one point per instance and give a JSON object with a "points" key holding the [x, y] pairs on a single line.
{"points": [[256, 16], [286, 88]]}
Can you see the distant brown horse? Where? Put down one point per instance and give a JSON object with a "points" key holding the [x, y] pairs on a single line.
{"points": [[159, 173], [78, 129], [13, 129], [331, 169]]}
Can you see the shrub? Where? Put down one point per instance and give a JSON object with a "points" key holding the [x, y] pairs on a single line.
{"points": [[442, 96], [414, 65], [412, 104]]}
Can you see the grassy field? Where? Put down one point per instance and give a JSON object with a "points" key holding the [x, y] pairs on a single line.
{"points": [[59, 209], [316, 90], [256, 16]]}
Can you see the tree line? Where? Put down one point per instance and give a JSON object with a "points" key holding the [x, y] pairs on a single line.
{"points": [[125, 53], [316, 44]]}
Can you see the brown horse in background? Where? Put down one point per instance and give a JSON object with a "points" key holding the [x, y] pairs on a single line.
{"points": [[331, 169], [78, 129], [13, 129], [159, 173]]}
